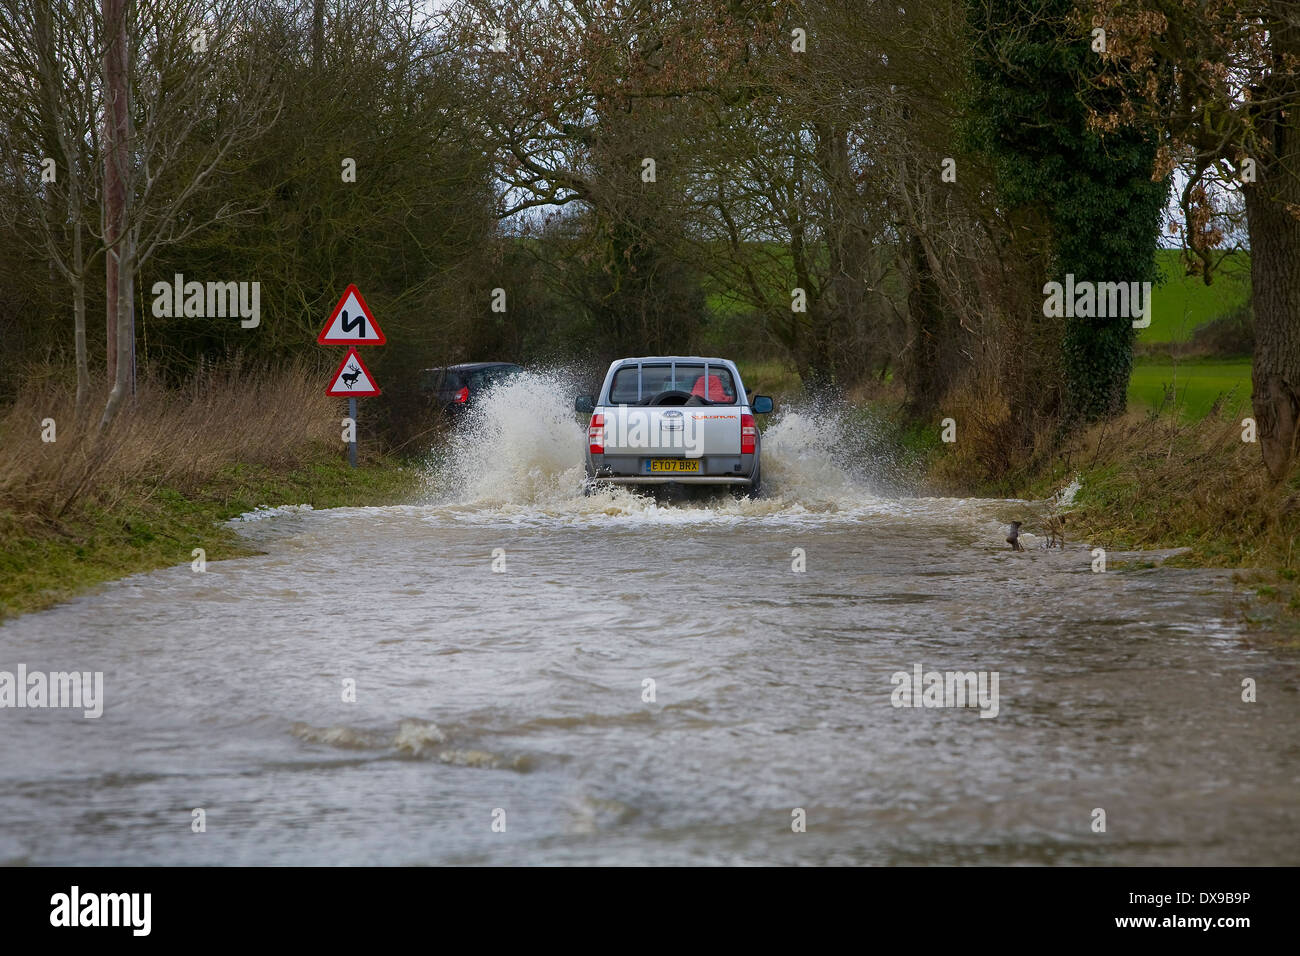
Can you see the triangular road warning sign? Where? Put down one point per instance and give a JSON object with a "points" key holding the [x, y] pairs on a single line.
{"points": [[351, 323], [352, 379]]}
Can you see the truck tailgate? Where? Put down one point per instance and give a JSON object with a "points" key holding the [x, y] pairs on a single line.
{"points": [[672, 432]]}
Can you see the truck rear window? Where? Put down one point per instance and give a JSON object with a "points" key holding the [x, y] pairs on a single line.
{"points": [[638, 385]]}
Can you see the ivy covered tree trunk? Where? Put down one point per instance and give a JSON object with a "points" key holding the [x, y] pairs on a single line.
{"points": [[1105, 220], [1032, 89], [1098, 362]]}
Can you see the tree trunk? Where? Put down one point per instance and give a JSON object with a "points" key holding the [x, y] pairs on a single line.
{"points": [[122, 381], [70, 152], [116, 121], [1030, 373], [1273, 219], [79, 324], [1275, 280], [110, 309], [317, 32], [120, 260], [842, 307], [927, 369]]}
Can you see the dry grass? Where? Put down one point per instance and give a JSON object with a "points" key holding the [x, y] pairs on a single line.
{"points": [[177, 437], [994, 450], [1157, 480]]}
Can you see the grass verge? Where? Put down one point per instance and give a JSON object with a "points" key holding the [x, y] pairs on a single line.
{"points": [[81, 504], [153, 526]]}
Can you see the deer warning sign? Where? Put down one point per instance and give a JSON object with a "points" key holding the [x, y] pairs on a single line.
{"points": [[353, 379], [351, 323]]}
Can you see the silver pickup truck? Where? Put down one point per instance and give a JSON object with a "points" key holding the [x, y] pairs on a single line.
{"points": [[674, 419]]}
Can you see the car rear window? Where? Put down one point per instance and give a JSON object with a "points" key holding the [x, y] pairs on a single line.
{"points": [[484, 377], [638, 385], [440, 379]]}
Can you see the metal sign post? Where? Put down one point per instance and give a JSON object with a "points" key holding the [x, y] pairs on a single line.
{"points": [[352, 445]]}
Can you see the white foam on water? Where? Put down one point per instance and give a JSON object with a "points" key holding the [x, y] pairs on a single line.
{"points": [[263, 512], [801, 467], [416, 736]]}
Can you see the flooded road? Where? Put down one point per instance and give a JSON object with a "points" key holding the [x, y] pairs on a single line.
{"points": [[521, 697]]}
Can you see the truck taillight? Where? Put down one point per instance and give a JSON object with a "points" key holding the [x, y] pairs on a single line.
{"points": [[462, 396], [596, 435], [747, 434]]}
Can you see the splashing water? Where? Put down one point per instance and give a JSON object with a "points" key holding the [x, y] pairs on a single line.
{"points": [[1065, 497], [521, 450], [802, 464], [520, 444]]}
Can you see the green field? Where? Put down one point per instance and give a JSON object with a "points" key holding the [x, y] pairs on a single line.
{"points": [[1183, 303], [1197, 385]]}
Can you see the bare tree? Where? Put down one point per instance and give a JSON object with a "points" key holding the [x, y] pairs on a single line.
{"points": [[194, 95], [49, 110], [591, 104]]}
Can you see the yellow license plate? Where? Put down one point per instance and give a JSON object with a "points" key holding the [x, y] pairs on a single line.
{"points": [[674, 465]]}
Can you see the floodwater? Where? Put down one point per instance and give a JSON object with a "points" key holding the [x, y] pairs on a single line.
{"points": [[508, 716]]}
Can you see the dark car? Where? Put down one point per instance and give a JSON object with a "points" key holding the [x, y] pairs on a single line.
{"points": [[455, 387]]}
